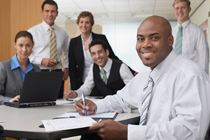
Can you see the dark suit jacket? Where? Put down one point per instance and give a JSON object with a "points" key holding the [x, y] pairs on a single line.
{"points": [[10, 81], [76, 59]]}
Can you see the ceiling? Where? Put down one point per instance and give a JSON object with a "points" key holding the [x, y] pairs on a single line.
{"points": [[109, 11]]}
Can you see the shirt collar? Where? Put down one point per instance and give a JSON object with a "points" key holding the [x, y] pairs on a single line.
{"points": [[185, 24], [108, 65], [46, 26], [161, 68], [90, 38], [15, 64]]}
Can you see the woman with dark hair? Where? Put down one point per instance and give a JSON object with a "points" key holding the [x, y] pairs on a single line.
{"points": [[12, 71], [79, 55]]}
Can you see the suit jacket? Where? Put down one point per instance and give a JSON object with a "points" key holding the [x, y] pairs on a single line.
{"points": [[76, 59], [10, 81]]}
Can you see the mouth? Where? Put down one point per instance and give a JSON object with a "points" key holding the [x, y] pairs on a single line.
{"points": [[148, 54]]}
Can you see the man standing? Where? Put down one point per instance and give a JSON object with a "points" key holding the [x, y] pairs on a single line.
{"points": [[172, 96], [50, 41], [106, 76], [190, 39]]}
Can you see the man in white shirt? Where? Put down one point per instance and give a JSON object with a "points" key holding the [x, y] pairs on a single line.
{"points": [[41, 55], [175, 89], [116, 74], [194, 43]]}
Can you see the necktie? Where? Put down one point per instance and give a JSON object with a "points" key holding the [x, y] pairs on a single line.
{"points": [[53, 47], [104, 76], [146, 100], [178, 45]]}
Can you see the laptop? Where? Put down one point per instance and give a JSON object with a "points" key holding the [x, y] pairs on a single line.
{"points": [[39, 89]]}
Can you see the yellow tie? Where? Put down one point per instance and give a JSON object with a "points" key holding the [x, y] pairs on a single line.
{"points": [[53, 47]]}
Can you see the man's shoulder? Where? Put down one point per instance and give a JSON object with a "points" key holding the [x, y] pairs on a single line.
{"points": [[36, 27], [60, 29], [195, 27]]}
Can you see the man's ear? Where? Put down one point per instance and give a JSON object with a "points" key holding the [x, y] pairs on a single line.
{"points": [[170, 40], [107, 52]]}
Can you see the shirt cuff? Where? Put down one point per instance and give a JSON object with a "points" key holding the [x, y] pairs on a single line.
{"points": [[38, 60], [100, 106], [136, 132]]}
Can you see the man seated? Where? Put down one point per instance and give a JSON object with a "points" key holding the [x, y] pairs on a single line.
{"points": [[172, 96], [106, 76]]}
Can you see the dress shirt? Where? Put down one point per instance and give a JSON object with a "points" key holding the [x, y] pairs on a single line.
{"points": [[194, 44], [179, 106], [15, 64], [87, 58], [88, 85], [41, 49]]}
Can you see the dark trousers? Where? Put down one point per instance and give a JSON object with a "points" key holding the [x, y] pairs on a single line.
{"points": [[92, 136], [60, 95]]}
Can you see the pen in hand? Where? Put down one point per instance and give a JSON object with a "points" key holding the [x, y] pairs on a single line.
{"points": [[83, 100]]}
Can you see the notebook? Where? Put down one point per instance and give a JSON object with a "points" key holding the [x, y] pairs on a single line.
{"points": [[39, 89]]}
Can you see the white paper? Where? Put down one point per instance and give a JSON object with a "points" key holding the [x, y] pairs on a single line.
{"points": [[63, 102], [66, 124], [99, 115], [91, 98]]}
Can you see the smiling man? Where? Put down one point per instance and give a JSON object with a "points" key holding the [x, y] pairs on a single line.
{"points": [[190, 39], [105, 77], [50, 41], [172, 96]]}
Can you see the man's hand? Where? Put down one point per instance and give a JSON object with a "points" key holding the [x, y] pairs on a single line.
{"points": [[110, 130], [48, 62], [90, 107], [15, 99], [66, 74], [70, 94]]}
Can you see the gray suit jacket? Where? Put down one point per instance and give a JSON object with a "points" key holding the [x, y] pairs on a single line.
{"points": [[10, 81]]}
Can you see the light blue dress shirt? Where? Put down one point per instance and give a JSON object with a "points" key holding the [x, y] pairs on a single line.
{"points": [[15, 64]]}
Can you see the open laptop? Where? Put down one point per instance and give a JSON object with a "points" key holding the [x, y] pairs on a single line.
{"points": [[39, 89]]}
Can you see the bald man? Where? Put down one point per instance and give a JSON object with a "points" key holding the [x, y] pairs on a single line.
{"points": [[172, 96]]}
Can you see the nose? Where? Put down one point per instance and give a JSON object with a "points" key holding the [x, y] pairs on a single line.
{"points": [[147, 43], [24, 48]]}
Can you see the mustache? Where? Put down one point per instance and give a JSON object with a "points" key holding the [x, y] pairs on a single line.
{"points": [[147, 50]]}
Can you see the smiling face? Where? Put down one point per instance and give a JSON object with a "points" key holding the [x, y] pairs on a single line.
{"points": [[99, 55], [24, 47], [182, 10], [154, 41], [49, 14], [85, 25]]}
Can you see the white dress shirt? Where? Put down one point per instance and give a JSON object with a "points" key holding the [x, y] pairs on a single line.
{"points": [[194, 44], [41, 49], [87, 58], [88, 85], [179, 107]]}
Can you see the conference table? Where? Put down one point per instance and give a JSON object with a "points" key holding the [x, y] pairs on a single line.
{"points": [[25, 122]]}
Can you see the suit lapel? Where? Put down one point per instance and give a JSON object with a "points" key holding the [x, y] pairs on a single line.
{"points": [[18, 77], [79, 48]]}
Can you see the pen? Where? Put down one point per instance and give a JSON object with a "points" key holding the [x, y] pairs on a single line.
{"points": [[83, 100], [64, 117]]}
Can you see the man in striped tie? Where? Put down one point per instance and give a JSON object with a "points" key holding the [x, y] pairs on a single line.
{"points": [[172, 96], [50, 42]]}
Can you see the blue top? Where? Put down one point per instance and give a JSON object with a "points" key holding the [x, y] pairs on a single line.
{"points": [[15, 64]]}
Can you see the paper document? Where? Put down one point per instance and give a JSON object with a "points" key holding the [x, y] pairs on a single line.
{"points": [[99, 115], [65, 124], [61, 101], [92, 98]]}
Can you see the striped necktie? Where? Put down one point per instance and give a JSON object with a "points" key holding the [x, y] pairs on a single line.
{"points": [[146, 100], [104, 76], [178, 45], [53, 47]]}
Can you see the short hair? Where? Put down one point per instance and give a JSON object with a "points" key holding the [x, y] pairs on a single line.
{"points": [[24, 34], [98, 42], [177, 1], [86, 14], [50, 2]]}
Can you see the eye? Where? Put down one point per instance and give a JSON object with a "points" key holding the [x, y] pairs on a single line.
{"points": [[155, 37], [140, 39]]}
